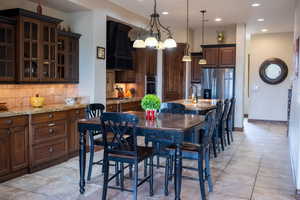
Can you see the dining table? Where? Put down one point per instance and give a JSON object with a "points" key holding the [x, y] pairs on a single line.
{"points": [[169, 128]]}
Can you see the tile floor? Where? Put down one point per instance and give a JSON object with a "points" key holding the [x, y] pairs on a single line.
{"points": [[255, 167]]}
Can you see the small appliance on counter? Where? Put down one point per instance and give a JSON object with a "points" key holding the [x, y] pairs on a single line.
{"points": [[150, 84], [37, 101], [3, 106]]}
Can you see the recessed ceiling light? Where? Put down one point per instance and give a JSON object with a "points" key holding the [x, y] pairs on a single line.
{"points": [[165, 13], [260, 20], [264, 30], [218, 19], [255, 5]]}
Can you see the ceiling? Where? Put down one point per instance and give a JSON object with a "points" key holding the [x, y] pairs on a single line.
{"points": [[278, 14]]}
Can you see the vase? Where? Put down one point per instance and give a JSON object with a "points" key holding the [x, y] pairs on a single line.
{"points": [[150, 115]]}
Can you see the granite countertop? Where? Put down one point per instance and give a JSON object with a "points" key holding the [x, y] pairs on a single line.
{"points": [[119, 101], [47, 108], [203, 104]]}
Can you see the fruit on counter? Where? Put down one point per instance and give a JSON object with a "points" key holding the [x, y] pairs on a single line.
{"points": [[37, 101]]}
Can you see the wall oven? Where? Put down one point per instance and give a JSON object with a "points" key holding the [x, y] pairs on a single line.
{"points": [[150, 84]]}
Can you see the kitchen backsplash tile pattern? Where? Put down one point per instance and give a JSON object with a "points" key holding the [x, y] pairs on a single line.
{"points": [[19, 95]]}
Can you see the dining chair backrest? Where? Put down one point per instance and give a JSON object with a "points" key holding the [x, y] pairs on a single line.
{"points": [[231, 109], [173, 108], [120, 125], [210, 125], [95, 110], [225, 110], [219, 110]]}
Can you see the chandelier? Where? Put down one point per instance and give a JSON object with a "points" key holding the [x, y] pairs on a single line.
{"points": [[203, 61], [154, 39]]}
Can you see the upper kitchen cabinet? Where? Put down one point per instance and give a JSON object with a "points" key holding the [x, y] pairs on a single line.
{"points": [[68, 57], [173, 73], [222, 55], [196, 68], [33, 49], [36, 41], [7, 49]]}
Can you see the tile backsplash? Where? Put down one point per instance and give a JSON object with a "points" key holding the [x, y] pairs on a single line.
{"points": [[19, 95]]}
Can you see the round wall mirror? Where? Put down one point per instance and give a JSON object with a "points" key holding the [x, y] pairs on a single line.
{"points": [[273, 71]]}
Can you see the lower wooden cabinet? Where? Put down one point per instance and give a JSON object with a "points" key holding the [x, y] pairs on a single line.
{"points": [[31, 143], [13, 147], [131, 106]]}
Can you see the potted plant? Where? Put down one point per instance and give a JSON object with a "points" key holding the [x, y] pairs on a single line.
{"points": [[150, 103]]}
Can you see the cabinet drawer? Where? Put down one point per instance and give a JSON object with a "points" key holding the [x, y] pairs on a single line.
{"points": [[112, 108], [48, 117], [77, 113], [49, 151], [13, 121], [131, 106], [48, 131]]}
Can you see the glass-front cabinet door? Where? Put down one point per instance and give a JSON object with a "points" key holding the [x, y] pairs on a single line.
{"points": [[31, 36], [62, 56], [7, 52], [49, 52]]}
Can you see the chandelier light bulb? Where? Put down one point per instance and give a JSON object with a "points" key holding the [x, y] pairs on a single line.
{"points": [[151, 41], [170, 43], [139, 44], [187, 58], [202, 61]]}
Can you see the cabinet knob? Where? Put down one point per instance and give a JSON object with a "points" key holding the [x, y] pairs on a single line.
{"points": [[50, 115], [50, 149], [51, 131], [9, 121], [8, 132]]}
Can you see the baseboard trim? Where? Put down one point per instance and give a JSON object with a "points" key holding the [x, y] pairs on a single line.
{"points": [[269, 121], [239, 129]]}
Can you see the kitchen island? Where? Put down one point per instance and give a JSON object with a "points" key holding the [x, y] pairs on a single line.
{"points": [[202, 106]]}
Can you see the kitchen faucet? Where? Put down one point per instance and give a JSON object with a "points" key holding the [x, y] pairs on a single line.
{"points": [[195, 93]]}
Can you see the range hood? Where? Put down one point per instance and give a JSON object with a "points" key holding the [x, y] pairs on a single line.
{"points": [[119, 47]]}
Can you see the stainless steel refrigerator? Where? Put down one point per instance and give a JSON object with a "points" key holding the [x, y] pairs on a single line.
{"points": [[217, 83]]}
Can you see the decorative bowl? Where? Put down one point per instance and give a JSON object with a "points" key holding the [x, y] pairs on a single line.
{"points": [[37, 102]]}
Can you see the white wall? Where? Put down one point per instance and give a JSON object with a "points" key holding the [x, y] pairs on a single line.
{"points": [[294, 129], [92, 26], [269, 102], [211, 36]]}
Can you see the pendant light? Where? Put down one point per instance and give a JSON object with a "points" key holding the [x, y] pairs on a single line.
{"points": [[187, 56], [155, 30], [139, 43], [203, 61]]}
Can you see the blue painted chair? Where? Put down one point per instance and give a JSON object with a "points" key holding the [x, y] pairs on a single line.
{"points": [[174, 108], [122, 150], [93, 111], [215, 138], [229, 121], [222, 125], [199, 152]]}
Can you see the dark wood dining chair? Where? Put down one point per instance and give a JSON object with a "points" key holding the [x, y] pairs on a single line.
{"points": [[215, 138], [174, 108], [199, 152], [122, 150], [229, 121], [93, 111], [222, 125]]}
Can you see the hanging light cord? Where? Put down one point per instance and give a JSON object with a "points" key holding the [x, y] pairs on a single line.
{"points": [[203, 20], [187, 27]]}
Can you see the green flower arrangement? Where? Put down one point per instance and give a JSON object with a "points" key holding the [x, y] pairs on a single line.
{"points": [[151, 102]]}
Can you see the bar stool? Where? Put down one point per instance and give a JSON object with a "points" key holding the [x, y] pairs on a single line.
{"points": [[215, 138], [222, 125]]}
